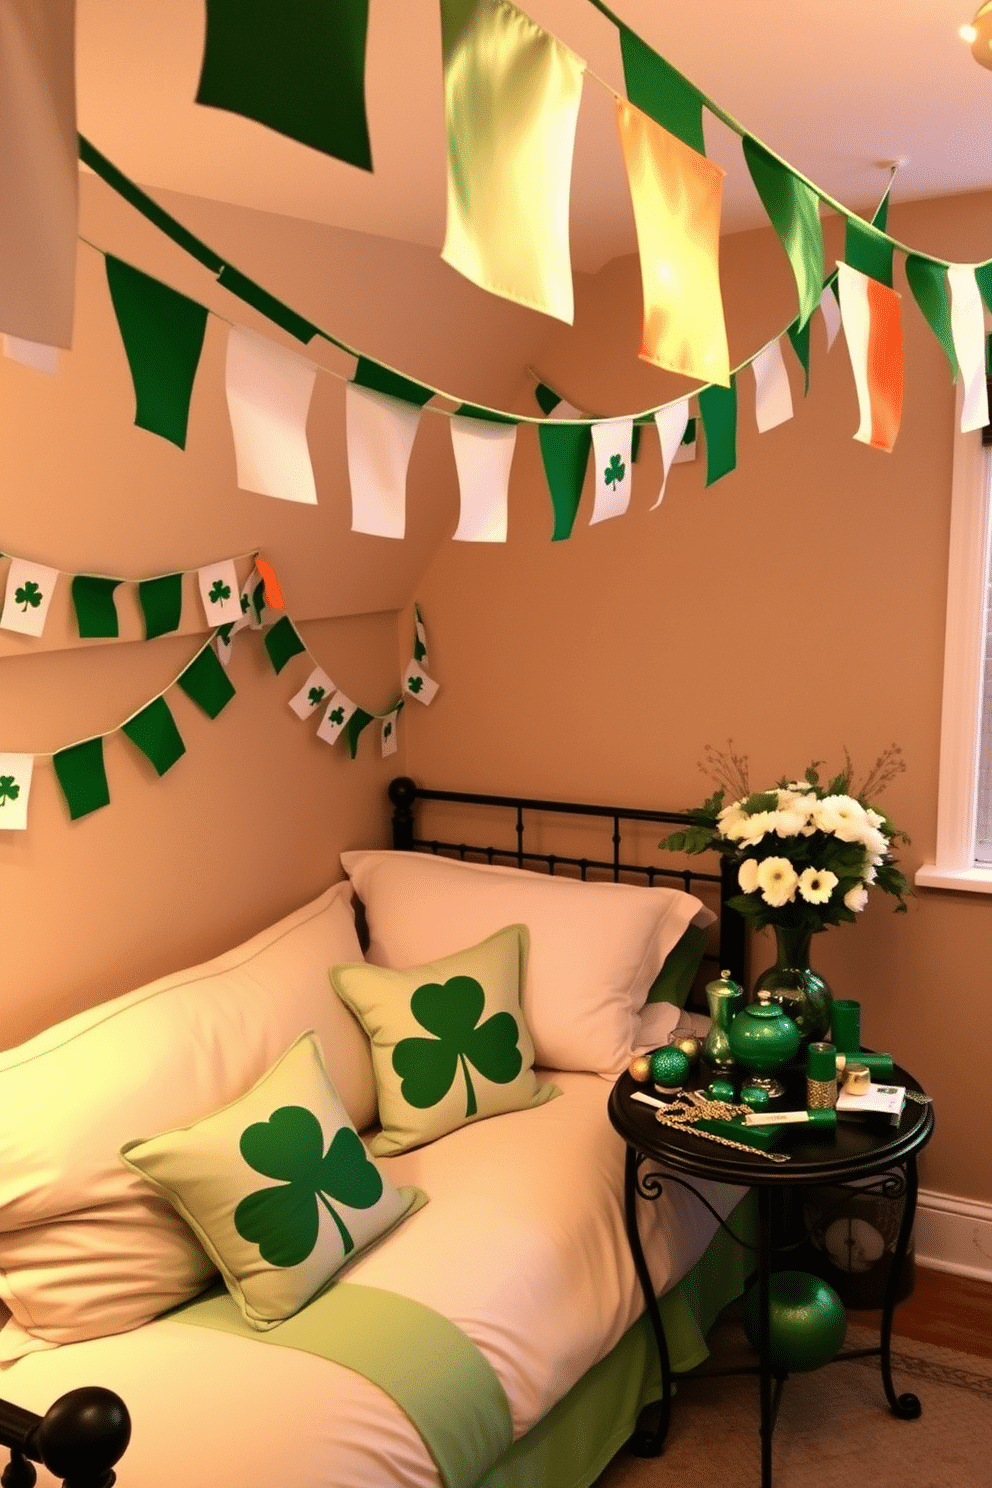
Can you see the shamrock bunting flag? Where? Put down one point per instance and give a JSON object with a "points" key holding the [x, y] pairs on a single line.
{"points": [[15, 788], [419, 636], [268, 399], [611, 442], [511, 102], [163, 332], [336, 715], [28, 594], [387, 733], [219, 591], [793, 210], [417, 683], [297, 67], [872, 317], [315, 691]]}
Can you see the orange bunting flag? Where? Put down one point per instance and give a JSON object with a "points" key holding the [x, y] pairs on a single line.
{"points": [[677, 196], [872, 318]]}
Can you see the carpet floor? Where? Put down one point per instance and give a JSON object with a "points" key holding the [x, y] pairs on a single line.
{"points": [[834, 1426]]}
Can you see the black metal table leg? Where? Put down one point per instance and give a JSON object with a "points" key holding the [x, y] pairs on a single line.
{"points": [[764, 1332], [647, 1441], [907, 1407]]}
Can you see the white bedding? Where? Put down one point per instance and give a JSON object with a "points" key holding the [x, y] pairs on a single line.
{"points": [[522, 1245]]}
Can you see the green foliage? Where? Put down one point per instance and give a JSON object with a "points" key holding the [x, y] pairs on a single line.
{"points": [[284, 1221], [28, 594], [450, 1011]]}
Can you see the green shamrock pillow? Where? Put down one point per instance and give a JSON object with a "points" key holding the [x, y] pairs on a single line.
{"points": [[449, 1041], [277, 1187]]}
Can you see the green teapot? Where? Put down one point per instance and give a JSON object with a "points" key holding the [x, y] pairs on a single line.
{"points": [[762, 1038]]}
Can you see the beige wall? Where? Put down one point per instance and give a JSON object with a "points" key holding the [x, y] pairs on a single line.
{"points": [[250, 822], [797, 606]]}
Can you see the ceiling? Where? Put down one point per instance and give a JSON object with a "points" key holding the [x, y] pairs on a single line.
{"points": [[839, 90]]}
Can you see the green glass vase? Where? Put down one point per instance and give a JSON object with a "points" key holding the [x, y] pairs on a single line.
{"points": [[798, 990]]}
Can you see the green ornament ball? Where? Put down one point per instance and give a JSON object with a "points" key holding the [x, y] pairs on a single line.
{"points": [[721, 1090], [807, 1321], [669, 1067]]}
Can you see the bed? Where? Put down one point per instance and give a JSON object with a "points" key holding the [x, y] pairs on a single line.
{"points": [[490, 1332]]}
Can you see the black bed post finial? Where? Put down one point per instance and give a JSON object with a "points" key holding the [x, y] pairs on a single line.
{"points": [[79, 1439], [403, 793]]}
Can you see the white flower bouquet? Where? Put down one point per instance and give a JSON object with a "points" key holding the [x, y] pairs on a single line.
{"points": [[806, 853]]}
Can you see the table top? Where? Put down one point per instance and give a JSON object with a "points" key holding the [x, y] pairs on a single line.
{"points": [[857, 1149]]}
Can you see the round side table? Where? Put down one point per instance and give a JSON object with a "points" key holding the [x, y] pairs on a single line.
{"points": [[860, 1150]]}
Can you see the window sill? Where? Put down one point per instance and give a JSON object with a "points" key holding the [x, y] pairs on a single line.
{"points": [[971, 880]]}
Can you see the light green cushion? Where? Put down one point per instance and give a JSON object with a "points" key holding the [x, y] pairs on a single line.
{"points": [[277, 1186], [449, 1040], [674, 981]]}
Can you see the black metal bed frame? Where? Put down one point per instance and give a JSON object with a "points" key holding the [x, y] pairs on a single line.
{"points": [[404, 794]]}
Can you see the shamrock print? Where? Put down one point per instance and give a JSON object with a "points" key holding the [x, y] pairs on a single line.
{"points": [[387, 729], [450, 1011], [615, 471], [337, 715], [315, 695], [9, 789], [284, 1221], [219, 592], [414, 684], [245, 602], [28, 594]]}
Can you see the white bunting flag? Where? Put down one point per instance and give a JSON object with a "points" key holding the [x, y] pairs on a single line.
{"points": [[316, 690], [772, 394], [672, 423], [225, 640], [388, 733], [268, 398], [417, 683], [611, 442], [15, 788], [31, 354], [39, 169], [30, 587], [219, 592], [255, 609], [566, 410], [830, 310], [968, 331], [335, 720], [483, 456], [381, 431]]}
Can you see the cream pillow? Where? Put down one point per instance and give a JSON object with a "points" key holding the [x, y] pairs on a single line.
{"points": [[277, 1187], [595, 948], [86, 1248], [449, 1040]]}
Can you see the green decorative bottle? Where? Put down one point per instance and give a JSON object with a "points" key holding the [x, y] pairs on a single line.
{"points": [[798, 990], [725, 998]]}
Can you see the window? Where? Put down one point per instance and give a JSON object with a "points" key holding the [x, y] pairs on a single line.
{"points": [[964, 803]]}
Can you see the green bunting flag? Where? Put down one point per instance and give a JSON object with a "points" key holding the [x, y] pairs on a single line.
{"points": [[82, 776], [163, 332], [93, 600], [154, 731], [358, 721], [654, 86], [793, 209], [206, 683], [718, 410], [253, 294], [547, 399], [297, 67], [565, 452], [282, 642], [369, 374], [928, 281], [868, 251], [983, 278], [799, 341], [161, 603]]}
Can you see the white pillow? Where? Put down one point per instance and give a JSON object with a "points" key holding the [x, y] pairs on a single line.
{"points": [[86, 1246], [595, 948]]}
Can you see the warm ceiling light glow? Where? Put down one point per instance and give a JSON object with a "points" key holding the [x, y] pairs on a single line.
{"points": [[978, 34], [968, 33]]}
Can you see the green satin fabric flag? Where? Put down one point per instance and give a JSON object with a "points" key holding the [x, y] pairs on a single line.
{"points": [[162, 331], [358, 721], [718, 410], [154, 731], [868, 252], [487, 415], [793, 209], [565, 452], [928, 281], [799, 341], [511, 101], [381, 379], [93, 601], [547, 399], [206, 683], [983, 277], [161, 603], [654, 86], [253, 294], [82, 776], [282, 642], [297, 67]]}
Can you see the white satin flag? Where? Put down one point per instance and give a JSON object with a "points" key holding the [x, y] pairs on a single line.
{"points": [[672, 423], [15, 788], [772, 394], [268, 398], [483, 456], [381, 431], [32, 354], [830, 310], [611, 442], [968, 331], [29, 591]]}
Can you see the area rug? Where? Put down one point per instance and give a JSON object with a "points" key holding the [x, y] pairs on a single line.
{"points": [[834, 1426]]}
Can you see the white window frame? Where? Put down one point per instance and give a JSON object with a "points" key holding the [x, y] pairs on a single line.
{"points": [[964, 651]]}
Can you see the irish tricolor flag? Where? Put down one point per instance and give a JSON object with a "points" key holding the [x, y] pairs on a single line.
{"points": [[871, 316]]}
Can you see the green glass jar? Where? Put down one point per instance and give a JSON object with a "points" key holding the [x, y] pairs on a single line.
{"points": [[725, 998], [762, 1038]]}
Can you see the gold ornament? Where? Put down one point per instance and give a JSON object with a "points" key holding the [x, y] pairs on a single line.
{"points": [[639, 1069], [690, 1046]]}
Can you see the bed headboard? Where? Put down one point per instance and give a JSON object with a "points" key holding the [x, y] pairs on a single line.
{"points": [[716, 887]]}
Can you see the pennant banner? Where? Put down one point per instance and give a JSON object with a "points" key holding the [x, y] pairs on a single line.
{"points": [[718, 411], [15, 789], [338, 711], [219, 592], [268, 399], [29, 591], [793, 210], [511, 102], [676, 195], [873, 330], [154, 731], [82, 776], [315, 691], [611, 442], [32, 354], [417, 683], [772, 393], [565, 453], [483, 456], [830, 310], [163, 332], [93, 601], [968, 332], [658, 90], [380, 432], [928, 281], [161, 602], [672, 423]]}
